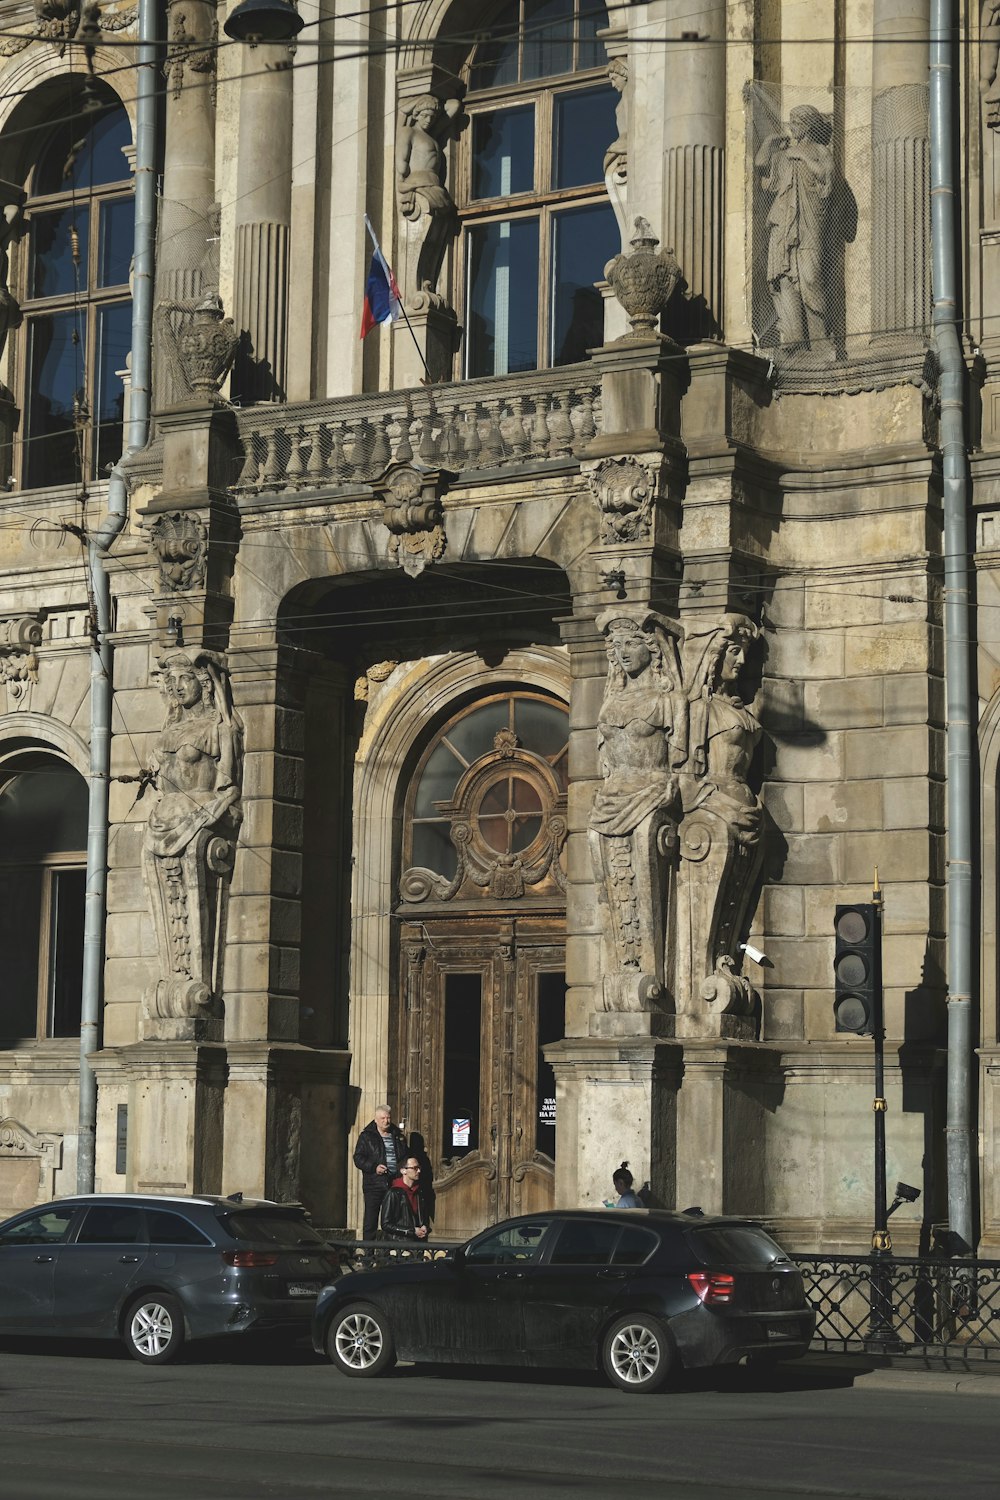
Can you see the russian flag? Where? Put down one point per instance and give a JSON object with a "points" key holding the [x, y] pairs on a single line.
{"points": [[383, 303]]}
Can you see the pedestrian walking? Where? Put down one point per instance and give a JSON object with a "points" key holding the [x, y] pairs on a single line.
{"points": [[622, 1180], [404, 1212], [380, 1151]]}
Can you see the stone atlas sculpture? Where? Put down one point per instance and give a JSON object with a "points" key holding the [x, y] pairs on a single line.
{"points": [[675, 829], [190, 840]]}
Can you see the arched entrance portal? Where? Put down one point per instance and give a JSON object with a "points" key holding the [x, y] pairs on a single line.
{"points": [[481, 919]]}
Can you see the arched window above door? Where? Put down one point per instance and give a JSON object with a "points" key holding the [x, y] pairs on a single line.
{"points": [[537, 225], [485, 810]]}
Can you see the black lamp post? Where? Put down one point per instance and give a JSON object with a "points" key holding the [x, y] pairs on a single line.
{"points": [[256, 21]]}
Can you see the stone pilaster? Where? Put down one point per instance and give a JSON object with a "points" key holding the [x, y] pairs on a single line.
{"points": [[171, 1128], [901, 241], [263, 220], [694, 159]]}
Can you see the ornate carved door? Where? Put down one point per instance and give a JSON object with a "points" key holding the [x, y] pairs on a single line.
{"points": [[482, 942]]}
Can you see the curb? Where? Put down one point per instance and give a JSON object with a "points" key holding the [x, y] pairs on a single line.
{"points": [[893, 1375]]}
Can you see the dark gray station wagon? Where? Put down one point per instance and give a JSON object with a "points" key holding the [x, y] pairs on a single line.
{"points": [[155, 1271], [635, 1293]]}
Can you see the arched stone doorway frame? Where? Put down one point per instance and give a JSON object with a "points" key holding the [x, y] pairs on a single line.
{"points": [[385, 755]]}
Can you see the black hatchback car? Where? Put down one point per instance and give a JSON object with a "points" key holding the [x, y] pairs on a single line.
{"points": [[635, 1293], [155, 1271]]}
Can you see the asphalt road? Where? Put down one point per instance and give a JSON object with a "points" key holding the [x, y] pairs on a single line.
{"points": [[86, 1423]]}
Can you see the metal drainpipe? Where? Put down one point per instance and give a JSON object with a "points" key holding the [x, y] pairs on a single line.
{"points": [[957, 632], [98, 544]]}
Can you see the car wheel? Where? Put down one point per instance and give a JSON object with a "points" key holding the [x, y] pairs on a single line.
{"points": [[154, 1328], [359, 1342], [637, 1353]]}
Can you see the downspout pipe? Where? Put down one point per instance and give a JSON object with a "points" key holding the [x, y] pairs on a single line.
{"points": [[99, 541], [957, 622]]}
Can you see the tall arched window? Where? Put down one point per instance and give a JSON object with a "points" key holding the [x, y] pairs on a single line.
{"points": [[74, 293], [43, 838], [537, 225]]}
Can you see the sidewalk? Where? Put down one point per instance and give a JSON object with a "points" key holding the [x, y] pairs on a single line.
{"points": [[901, 1373]]}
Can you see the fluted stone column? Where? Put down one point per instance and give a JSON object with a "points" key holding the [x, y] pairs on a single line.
{"points": [[694, 155], [901, 239], [187, 258], [263, 219]]}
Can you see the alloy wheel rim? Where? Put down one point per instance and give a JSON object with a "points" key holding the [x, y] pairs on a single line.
{"points": [[152, 1328], [635, 1354], [359, 1341]]}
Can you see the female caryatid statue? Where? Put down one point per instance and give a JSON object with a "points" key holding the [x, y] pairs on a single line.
{"points": [[633, 825], [190, 840], [720, 836]]}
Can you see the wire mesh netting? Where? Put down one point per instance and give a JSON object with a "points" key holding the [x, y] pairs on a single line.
{"points": [[838, 233]]}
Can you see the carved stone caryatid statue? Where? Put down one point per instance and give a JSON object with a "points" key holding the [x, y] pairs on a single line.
{"points": [[797, 167], [616, 156], [633, 823], [424, 200], [720, 836], [989, 61], [190, 841]]}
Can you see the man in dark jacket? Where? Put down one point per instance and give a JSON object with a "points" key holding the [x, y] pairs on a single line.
{"points": [[378, 1155], [404, 1215]]}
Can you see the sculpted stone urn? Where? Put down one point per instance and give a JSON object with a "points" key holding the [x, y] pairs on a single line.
{"points": [[207, 347], [643, 281]]}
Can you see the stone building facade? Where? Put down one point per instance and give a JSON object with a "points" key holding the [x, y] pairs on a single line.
{"points": [[481, 687]]}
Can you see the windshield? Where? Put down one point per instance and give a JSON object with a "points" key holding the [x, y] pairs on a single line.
{"points": [[735, 1245], [272, 1227]]}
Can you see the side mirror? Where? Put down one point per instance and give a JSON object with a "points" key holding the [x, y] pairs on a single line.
{"points": [[458, 1257]]}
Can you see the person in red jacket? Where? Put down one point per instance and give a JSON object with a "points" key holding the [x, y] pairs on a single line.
{"points": [[404, 1213]]}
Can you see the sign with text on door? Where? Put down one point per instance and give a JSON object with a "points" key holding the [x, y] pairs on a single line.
{"points": [[460, 1132]]}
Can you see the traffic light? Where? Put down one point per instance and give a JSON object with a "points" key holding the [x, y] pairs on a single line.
{"points": [[857, 967]]}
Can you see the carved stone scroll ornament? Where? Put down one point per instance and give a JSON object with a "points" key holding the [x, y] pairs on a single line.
{"points": [[642, 732], [720, 835], [190, 840], [624, 489], [180, 543], [425, 124], [412, 513], [20, 636], [59, 21], [989, 61], [644, 280]]}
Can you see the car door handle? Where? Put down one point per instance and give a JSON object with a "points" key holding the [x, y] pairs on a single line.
{"points": [[44, 1260], [610, 1275], [511, 1276], [128, 1260]]}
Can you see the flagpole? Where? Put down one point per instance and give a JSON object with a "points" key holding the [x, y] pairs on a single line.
{"points": [[402, 305]]}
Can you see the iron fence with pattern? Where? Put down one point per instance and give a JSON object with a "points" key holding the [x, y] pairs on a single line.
{"points": [[935, 1307]]}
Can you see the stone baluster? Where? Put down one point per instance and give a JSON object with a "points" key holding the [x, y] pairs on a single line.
{"points": [[428, 449], [315, 471], [560, 428], [404, 448], [381, 452], [586, 427], [539, 429], [451, 443], [251, 466], [297, 458], [471, 442], [272, 474], [520, 433], [339, 465], [493, 444]]}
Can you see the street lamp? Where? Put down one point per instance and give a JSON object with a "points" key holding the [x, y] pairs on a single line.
{"points": [[256, 21]]}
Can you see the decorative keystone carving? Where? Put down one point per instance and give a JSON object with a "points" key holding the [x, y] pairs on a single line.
{"points": [[411, 510], [190, 841], [20, 636], [624, 489], [377, 673], [644, 280], [179, 541], [206, 346]]}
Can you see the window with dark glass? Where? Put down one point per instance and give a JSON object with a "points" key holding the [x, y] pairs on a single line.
{"points": [[585, 1244], [538, 227], [111, 1226], [77, 254], [43, 838]]}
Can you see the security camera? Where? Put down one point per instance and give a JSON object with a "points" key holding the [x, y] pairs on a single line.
{"points": [[756, 956], [907, 1193]]}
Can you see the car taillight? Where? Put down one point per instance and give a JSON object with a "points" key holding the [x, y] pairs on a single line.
{"points": [[713, 1286], [249, 1259]]}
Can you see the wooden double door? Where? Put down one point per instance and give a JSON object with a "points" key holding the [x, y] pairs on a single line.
{"points": [[481, 1000]]}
